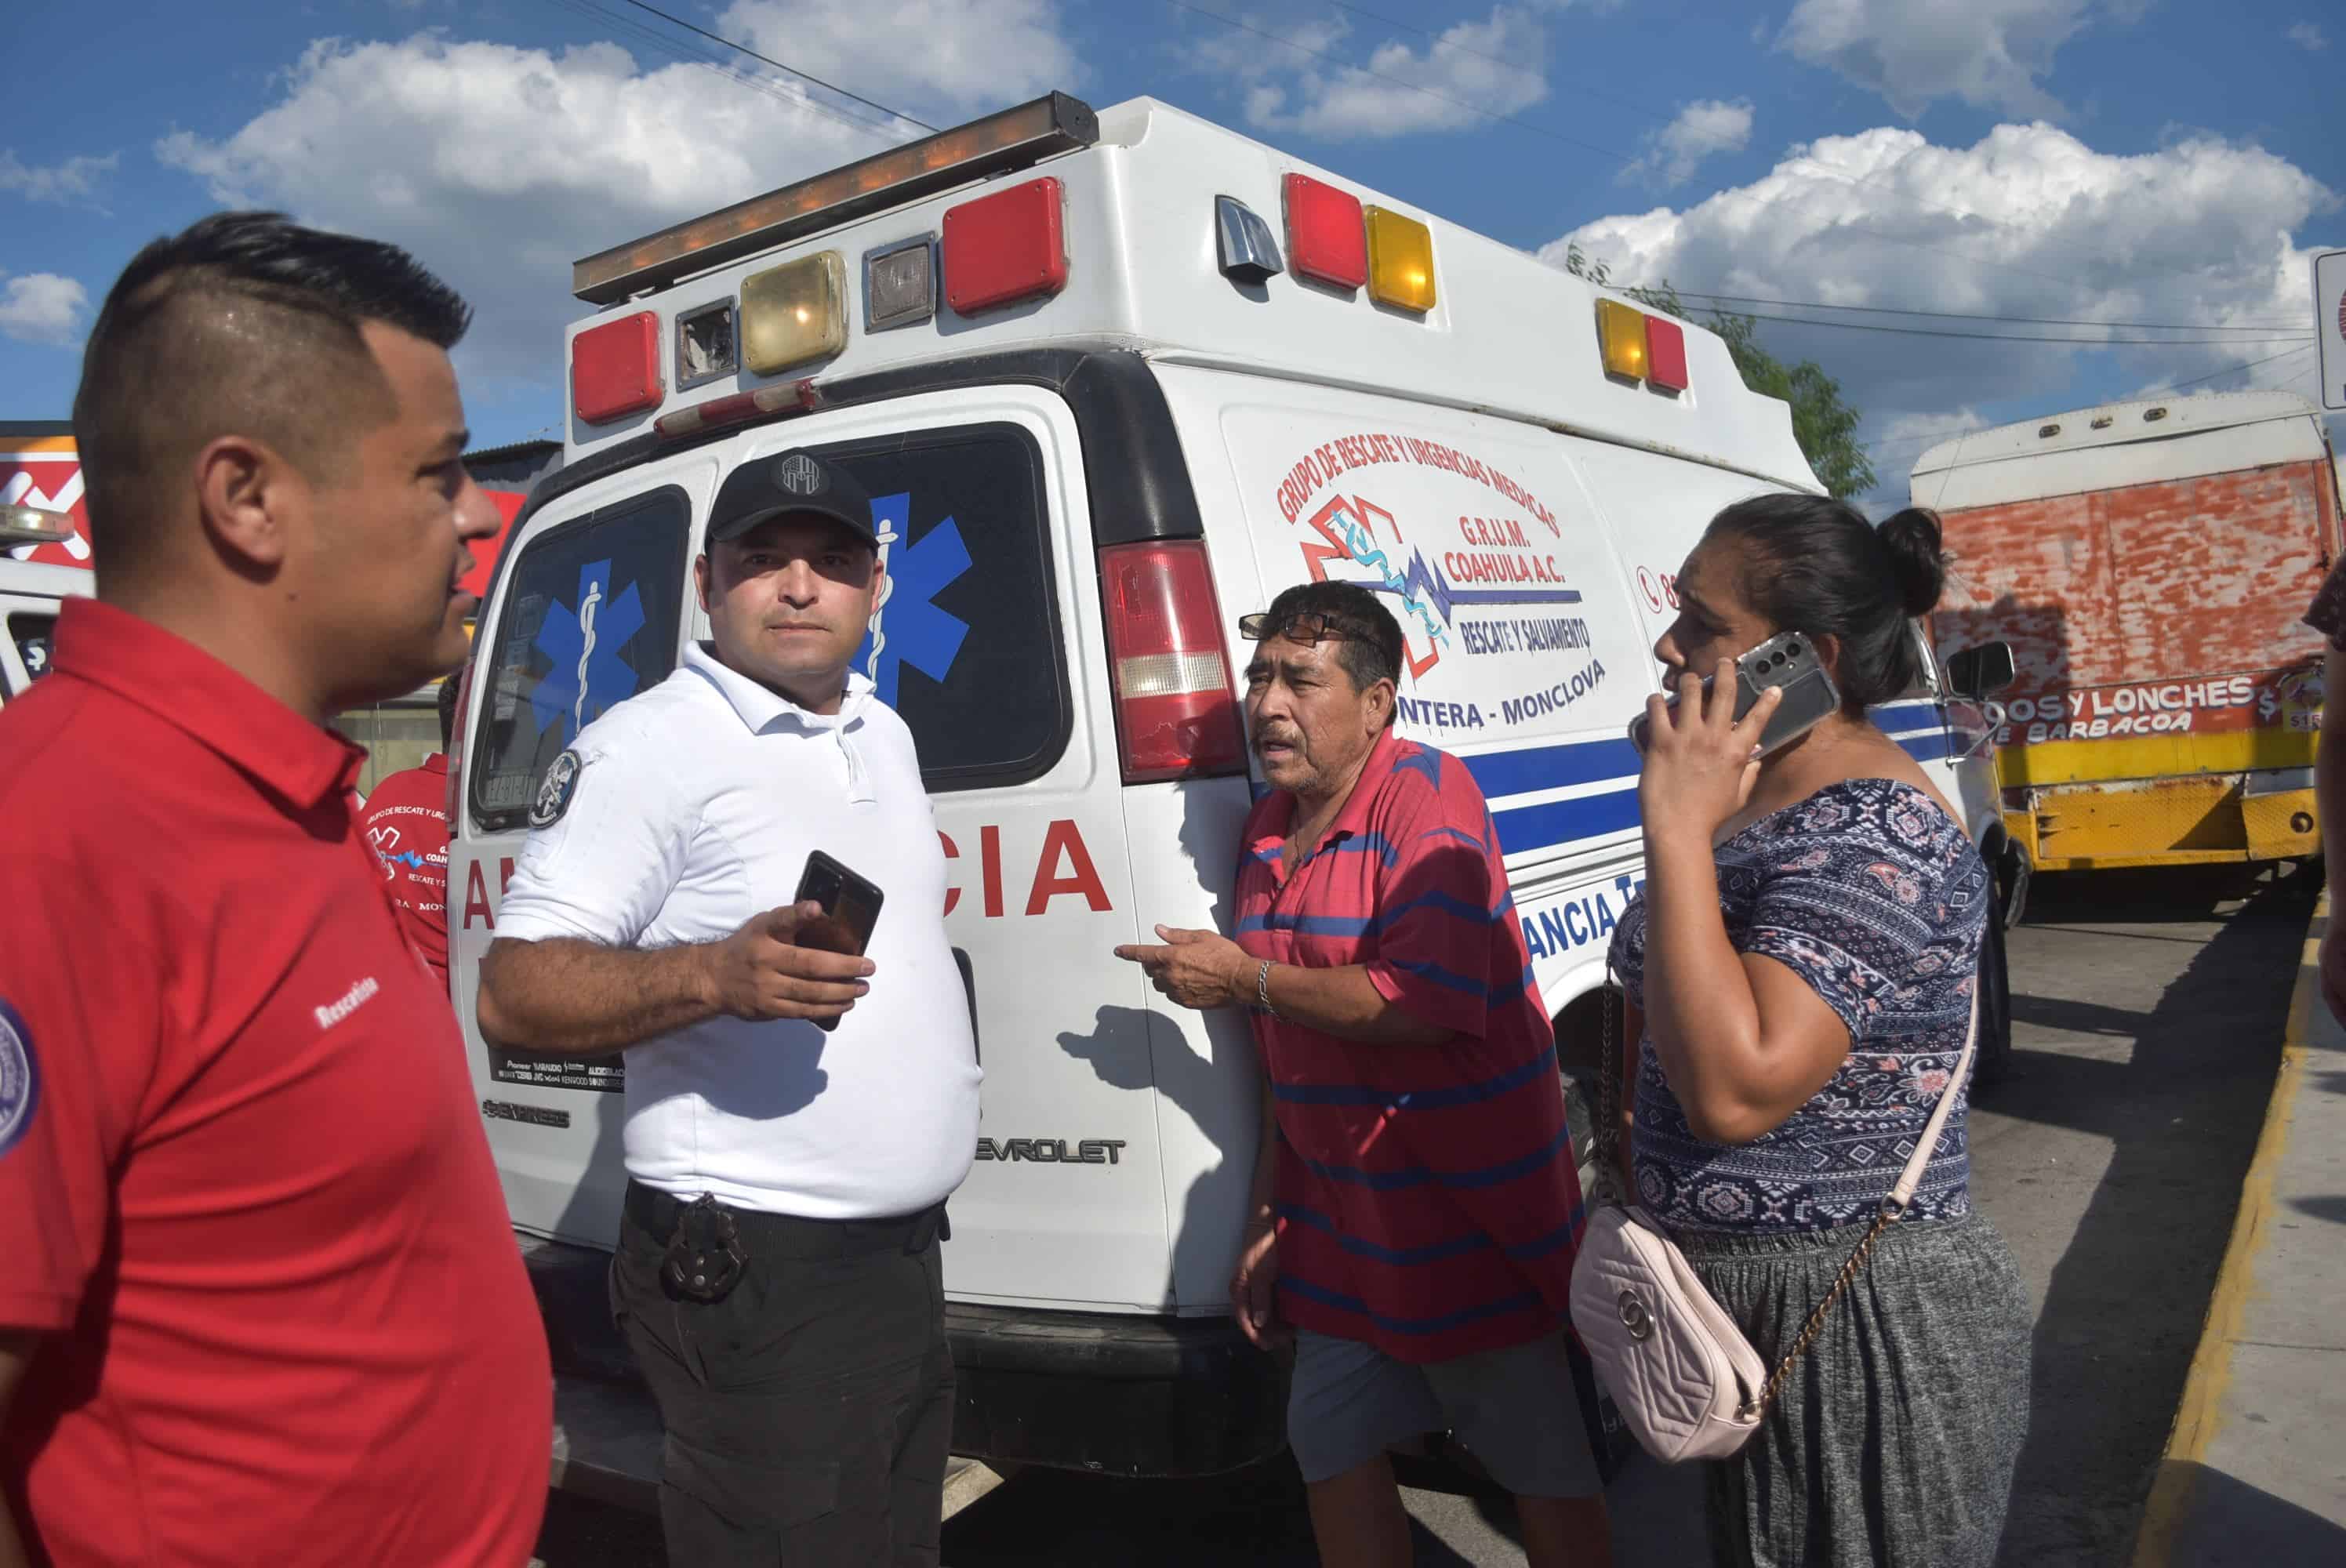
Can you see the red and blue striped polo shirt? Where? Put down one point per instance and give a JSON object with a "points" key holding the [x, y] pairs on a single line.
{"points": [[1428, 1200]]}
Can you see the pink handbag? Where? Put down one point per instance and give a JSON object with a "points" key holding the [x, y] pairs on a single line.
{"points": [[1686, 1380]]}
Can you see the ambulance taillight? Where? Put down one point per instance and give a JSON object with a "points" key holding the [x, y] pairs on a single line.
{"points": [[1177, 717]]}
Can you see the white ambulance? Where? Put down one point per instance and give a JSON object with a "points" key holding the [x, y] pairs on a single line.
{"points": [[31, 592], [1114, 380]]}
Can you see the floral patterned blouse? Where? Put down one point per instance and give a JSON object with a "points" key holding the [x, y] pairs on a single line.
{"points": [[1872, 894]]}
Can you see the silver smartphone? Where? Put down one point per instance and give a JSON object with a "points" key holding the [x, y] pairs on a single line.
{"points": [[1788, 660]]}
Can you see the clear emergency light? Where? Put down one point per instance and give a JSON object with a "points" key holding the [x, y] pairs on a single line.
{"points": [[33, 525], [1016, 138], [794, 313], [899, 283]]}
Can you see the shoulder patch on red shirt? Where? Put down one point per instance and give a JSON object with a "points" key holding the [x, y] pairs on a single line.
{"points": [[20, 1078]]}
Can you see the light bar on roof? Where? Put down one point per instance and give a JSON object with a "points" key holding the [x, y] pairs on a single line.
{"points": [[33, 525], [997, 143]]}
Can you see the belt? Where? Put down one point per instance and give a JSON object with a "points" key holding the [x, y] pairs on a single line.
{"points": [[767, 1235]]}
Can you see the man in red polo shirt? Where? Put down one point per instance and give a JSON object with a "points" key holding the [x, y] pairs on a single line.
{"points": [[406, 825], [1415, 1199], [259, 1301]]}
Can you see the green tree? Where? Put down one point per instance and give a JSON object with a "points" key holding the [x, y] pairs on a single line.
{"points": [[1822, 423]]}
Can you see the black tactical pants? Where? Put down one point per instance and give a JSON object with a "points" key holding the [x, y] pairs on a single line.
{"points": [[808, 1412]]}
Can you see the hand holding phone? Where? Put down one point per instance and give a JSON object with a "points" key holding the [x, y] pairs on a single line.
{"points": [[850, 912], [770, 968], [1788, 660]]}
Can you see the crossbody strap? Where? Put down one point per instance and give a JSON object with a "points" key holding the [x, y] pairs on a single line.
{"points": [[1908, 1179], [1892, 1206]]}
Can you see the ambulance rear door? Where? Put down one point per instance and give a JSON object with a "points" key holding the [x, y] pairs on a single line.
{"points": [[987, 643]]}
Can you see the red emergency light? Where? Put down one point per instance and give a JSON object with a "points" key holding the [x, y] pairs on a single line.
{"points": [[1327, 234], [615, 369], [1666, 362], [1007, 247]]}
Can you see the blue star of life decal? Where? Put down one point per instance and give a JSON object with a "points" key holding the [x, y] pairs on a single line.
{"points": [[909, 628], [589, 676]]}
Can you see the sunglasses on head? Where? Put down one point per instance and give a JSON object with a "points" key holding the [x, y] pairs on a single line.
{"points": [[1311, 627]]}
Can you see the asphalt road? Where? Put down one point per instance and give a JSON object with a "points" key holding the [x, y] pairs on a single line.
{"points": [[2148, 1010]]}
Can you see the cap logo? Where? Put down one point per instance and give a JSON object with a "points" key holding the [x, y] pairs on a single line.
{"points": [[798, 475]]}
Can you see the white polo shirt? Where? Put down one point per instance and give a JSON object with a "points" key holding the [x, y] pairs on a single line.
{"points": [[694, 809]]}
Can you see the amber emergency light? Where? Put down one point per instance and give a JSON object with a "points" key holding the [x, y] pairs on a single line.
{"points": [[1401, 261], [1621, 338], [1013, 139]]}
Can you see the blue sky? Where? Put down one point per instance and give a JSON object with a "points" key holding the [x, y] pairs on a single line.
{"points": [[2033, 160]]}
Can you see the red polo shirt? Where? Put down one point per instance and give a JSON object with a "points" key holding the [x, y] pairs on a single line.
{"points": [[1428, 1202], [405, 825], [244, 1194]]}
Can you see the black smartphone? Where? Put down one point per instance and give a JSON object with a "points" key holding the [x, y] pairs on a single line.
{"points": [[850, 912], [1788, 660]]}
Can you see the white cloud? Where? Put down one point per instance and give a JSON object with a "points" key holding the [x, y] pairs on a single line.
{"points": [[1470, 71], [77, 177], [498, 165], [2027, 222], [915, 55], [2309, 36], [42, 308], [1990, 53], [1701, 130]]}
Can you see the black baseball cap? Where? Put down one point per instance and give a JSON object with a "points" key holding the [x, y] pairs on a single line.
{"points": [[790, 483]]}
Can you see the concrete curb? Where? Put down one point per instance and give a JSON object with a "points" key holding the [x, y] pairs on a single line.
{"points": [[2200, 1414]]}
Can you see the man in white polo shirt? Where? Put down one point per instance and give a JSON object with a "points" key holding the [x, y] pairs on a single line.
{"points": [[776, 1272]]}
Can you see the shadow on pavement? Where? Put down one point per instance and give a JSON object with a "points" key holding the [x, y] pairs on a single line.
{"points": [[2330, 1206], [2182, 1113], [2139, 895], [1250, 1518], [2237, 1525]]}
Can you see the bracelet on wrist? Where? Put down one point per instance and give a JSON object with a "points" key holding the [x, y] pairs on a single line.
{"points": [[1262, 989]]}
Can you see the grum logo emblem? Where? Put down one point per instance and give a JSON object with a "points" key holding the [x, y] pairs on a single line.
{"points": [[20, 1078], [1635, 1317], [798, 475], [554, 793]]}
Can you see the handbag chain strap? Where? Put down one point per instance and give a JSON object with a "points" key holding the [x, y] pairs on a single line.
{"points": [[1608, 1098]]}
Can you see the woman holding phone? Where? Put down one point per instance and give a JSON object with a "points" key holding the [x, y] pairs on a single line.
{"points": [[1799, 973]]}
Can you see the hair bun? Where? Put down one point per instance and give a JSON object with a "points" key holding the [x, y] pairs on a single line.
{"points": [[1912, 537]]}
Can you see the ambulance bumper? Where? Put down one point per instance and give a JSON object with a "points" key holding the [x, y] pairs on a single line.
{"points": [[1112, 1393]]}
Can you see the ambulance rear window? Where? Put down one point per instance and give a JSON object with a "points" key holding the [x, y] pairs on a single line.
{"points": [[592, 618], [967, 648]]}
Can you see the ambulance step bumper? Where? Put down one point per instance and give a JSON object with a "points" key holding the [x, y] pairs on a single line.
{"points": [[1112, 1393]]}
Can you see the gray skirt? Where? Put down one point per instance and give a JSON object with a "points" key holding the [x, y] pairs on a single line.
{"points": [[1894, 1441]]}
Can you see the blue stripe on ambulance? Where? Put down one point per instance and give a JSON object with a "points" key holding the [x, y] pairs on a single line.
{"points": [[1612, 762]]}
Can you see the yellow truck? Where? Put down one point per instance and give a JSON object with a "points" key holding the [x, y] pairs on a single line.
{"points": [[2147, 563]]}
